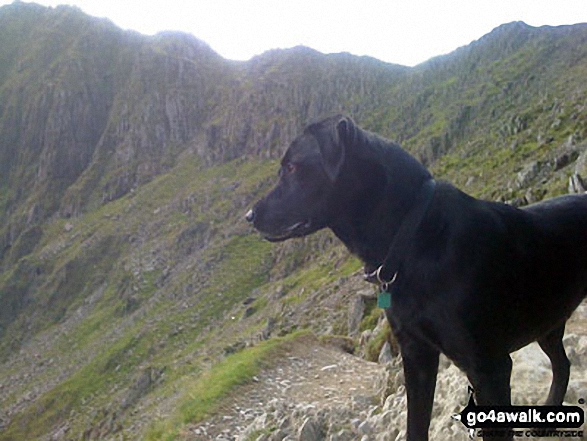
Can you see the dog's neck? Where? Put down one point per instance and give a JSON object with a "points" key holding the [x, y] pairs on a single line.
{"points": [[378, 194]]}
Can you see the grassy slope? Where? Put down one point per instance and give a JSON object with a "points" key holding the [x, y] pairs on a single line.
{"points": [[160, 304], [206, 395]]}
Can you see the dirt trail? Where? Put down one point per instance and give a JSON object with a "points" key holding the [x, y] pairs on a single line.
{"points": [[309, 376]]}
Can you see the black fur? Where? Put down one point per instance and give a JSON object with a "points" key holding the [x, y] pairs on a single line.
{"points": [[477, 280]]}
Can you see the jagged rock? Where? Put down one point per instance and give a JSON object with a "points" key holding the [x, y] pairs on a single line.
{"points": [[576, 390], [364, 339], [259, 423], [564, 159], [235, 347], [249, 311], [515, 125], [143, 383], [385, 355], [342, 435], [517, 201], [576, 346], [581, 162], [61, 433], [278, 435], [365, 428], [528, 174], [543, 140], [576, 180], [576, 184], [310, 430], [269, 327], [355, 315], [345, 344], [534, 195]]}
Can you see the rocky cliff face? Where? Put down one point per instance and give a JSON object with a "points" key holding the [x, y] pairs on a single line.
{"points": [[127, 162], [90, 112]]}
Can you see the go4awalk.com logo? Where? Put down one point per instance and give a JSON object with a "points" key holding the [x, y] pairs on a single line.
{"points": [[522, 421]]}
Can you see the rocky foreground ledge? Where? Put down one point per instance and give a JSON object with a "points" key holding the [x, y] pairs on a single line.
{"points": [[318, 392]]}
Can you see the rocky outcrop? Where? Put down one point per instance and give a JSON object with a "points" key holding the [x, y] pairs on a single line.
{"points": [[116, 109], [577, 181]]}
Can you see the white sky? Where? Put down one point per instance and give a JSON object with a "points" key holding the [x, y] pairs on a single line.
{"points": [[405, 32]]}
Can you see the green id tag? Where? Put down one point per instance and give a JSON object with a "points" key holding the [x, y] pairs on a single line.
{"points": [[384, 300]]}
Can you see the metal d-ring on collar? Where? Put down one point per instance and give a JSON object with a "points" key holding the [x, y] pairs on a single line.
{"points": [[404, 236], [383, 284]]}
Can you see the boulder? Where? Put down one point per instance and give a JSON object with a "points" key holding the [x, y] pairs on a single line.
{"points": [[310, 430], [355, 315], [528, 174], [385, 356], [576, 181]]}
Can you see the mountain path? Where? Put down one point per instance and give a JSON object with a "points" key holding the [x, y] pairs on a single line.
{"points": [[309, 376]]}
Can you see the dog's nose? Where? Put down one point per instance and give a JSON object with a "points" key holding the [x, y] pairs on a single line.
{"points": [[250, 216]]}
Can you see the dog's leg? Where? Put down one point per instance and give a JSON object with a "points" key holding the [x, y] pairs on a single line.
{"points": [[552, 345], [420, 368], [491, 382]]}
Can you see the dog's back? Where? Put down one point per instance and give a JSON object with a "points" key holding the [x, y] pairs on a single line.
{"points": [[563, 224], [558, 282], [563, 215]]}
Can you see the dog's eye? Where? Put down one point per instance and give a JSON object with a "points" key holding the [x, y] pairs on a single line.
{"points": [[289, 168]]}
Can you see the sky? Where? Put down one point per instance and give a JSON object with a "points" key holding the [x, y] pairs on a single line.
{"points": [[405, 32]]}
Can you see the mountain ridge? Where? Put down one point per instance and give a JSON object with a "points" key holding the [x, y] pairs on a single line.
{"points": [[127, 163]]}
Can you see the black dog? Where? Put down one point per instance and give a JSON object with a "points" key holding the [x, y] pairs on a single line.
{"points": [[472, 279]]}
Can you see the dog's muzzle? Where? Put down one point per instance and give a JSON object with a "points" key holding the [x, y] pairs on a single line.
{"points": [[250, 216]]}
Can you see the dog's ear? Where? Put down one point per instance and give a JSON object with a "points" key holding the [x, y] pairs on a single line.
{"points": [[346, 130], [335, 149]]}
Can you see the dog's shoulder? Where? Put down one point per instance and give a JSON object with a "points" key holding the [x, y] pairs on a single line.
{"points": [[466, 218], [468, 222]]}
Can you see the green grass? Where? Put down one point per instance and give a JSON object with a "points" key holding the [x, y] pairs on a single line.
{"points": [[374, 345], [238, 264], [207, 395], [105, 370], [312, 277], [371, 315], [237, 267]]}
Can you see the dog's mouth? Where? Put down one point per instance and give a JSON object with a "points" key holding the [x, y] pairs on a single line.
{"points": [[298, 229]]}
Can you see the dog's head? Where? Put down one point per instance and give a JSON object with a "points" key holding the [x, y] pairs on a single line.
{"points": [[300, 202]]}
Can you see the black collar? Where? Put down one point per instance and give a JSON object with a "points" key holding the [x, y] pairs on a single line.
{"points": [[387, 273]]}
